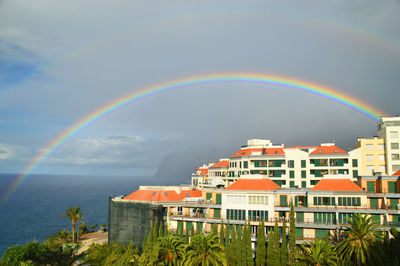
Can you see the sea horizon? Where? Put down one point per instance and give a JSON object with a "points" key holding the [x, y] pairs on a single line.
{"points": [[33, 211]]}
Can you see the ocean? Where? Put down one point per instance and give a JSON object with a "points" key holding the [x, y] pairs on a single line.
{"points": [[33, 211]]}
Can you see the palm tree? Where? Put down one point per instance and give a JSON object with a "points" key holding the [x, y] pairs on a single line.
{"points": [[172, 249], [75, 215], [360, 237], [205, 250], [318, 253]]}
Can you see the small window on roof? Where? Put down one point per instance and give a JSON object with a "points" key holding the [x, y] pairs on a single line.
{"points": [[154, 193], [166, 194], [320, 151], [187, 195], [336, 151], [276, 152]]}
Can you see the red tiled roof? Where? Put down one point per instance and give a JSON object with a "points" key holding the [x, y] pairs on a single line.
{"points": [[202, 171], [336, 185], [264, 151], [254, 184], [328, 150], [162, 195], [397, 173], [224, 163]]}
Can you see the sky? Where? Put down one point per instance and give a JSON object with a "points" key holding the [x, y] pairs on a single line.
{"points": [[60, 61]]}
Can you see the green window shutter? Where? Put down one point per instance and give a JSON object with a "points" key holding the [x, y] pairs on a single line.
{"points": [[328, 201], [355, 173], [235, 215], [324, 217], [376, 219], [392, 187], [321, 233], [283, 200], [355, 163], [340, 201], [296, 201], [393, 203], [340, 162], [333, 202], [180, 224], [303, 184], [291, 183], [199, 227], [219, 199], [217, 213], [303, 163], [256, 164], [358, 201], [300, 216], [319, 200], [291, 173], [299, 232], [227, 215], [189, 226], [371, 186], [353, 201], [315, 201], [245, 164], [303, 174], [315, 217], [374, 203], [209, 196]]}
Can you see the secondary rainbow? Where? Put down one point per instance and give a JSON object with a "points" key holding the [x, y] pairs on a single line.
{"points": [[277, 81]]}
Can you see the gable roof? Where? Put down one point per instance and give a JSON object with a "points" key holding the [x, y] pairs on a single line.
{"points": [[336, 185], [264, 151], [202, 171], [224, 164], [162, 195], [328, 150], [254, 184], [397, 173]]}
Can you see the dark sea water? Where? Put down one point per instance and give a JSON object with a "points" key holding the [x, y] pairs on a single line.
{"points": [[34, 210]]}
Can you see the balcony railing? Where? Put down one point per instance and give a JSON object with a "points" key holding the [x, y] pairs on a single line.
{"points": [[381, 191]]}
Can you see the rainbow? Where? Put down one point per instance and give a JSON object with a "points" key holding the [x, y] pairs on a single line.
{"points": [[282, 82]]}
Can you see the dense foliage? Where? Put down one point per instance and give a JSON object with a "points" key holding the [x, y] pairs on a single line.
{"points": [[363, 243]]}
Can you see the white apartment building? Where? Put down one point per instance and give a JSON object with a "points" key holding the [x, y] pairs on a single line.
{"points": [[389, 130]]}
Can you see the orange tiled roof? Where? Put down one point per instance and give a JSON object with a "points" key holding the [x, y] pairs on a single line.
{"points": [[224, 163], [397, 173], [264, 151], [336, 185], [254, 184], [328, 150], [202, 171], [162, 195]]}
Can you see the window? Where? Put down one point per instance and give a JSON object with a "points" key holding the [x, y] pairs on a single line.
{"points": [[303, 184], [395, 156], [394, 146], [303, 174], [292, 184], [291, 164], [355, 163], [382, 157], [303, 163], [370, 157], [245, 164], [291, 173], [394, 134], [381, 147], [369, 147], [260, 200]]}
